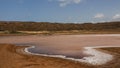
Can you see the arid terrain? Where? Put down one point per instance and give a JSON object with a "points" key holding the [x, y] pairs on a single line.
{"points": [[59, 33], [12, 56], [67, 45]]}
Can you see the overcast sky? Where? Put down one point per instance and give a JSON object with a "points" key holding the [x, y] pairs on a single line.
{"points": [[60, 10]]}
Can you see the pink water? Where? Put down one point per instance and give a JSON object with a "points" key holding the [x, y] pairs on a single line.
{"points": [[68, 45]]}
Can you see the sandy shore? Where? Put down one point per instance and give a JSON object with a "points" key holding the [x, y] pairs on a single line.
{"points": [[93, 56], [12, 56], [68, 45]]}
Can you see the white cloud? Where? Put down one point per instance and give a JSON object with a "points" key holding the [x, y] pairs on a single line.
{"points": [[63, 3], [117, 16], [99, 16]]}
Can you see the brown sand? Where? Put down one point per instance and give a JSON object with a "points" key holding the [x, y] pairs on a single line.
{"points": [[69, 45], [12, 56]]}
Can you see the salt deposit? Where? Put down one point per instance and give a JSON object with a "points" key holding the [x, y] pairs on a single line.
{"points": [[96, 58]]}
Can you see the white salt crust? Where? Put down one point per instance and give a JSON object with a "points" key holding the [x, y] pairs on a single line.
{"points": [[97, 57]]}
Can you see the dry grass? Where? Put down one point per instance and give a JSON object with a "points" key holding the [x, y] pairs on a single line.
{"points": [[70, 32], [12, 56]]}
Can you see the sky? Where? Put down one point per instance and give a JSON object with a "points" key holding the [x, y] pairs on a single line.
{"points": [[66, 11]]}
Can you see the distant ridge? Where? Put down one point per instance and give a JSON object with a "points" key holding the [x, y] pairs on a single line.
{"points": [[47, 26]]}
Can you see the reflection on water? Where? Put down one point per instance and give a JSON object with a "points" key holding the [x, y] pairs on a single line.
{"points": [[68, 45], [78, 54]]}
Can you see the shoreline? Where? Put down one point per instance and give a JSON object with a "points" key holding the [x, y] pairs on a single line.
{"points": [[18, 58], [89, 34], [30, 60], [97, 57]]}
